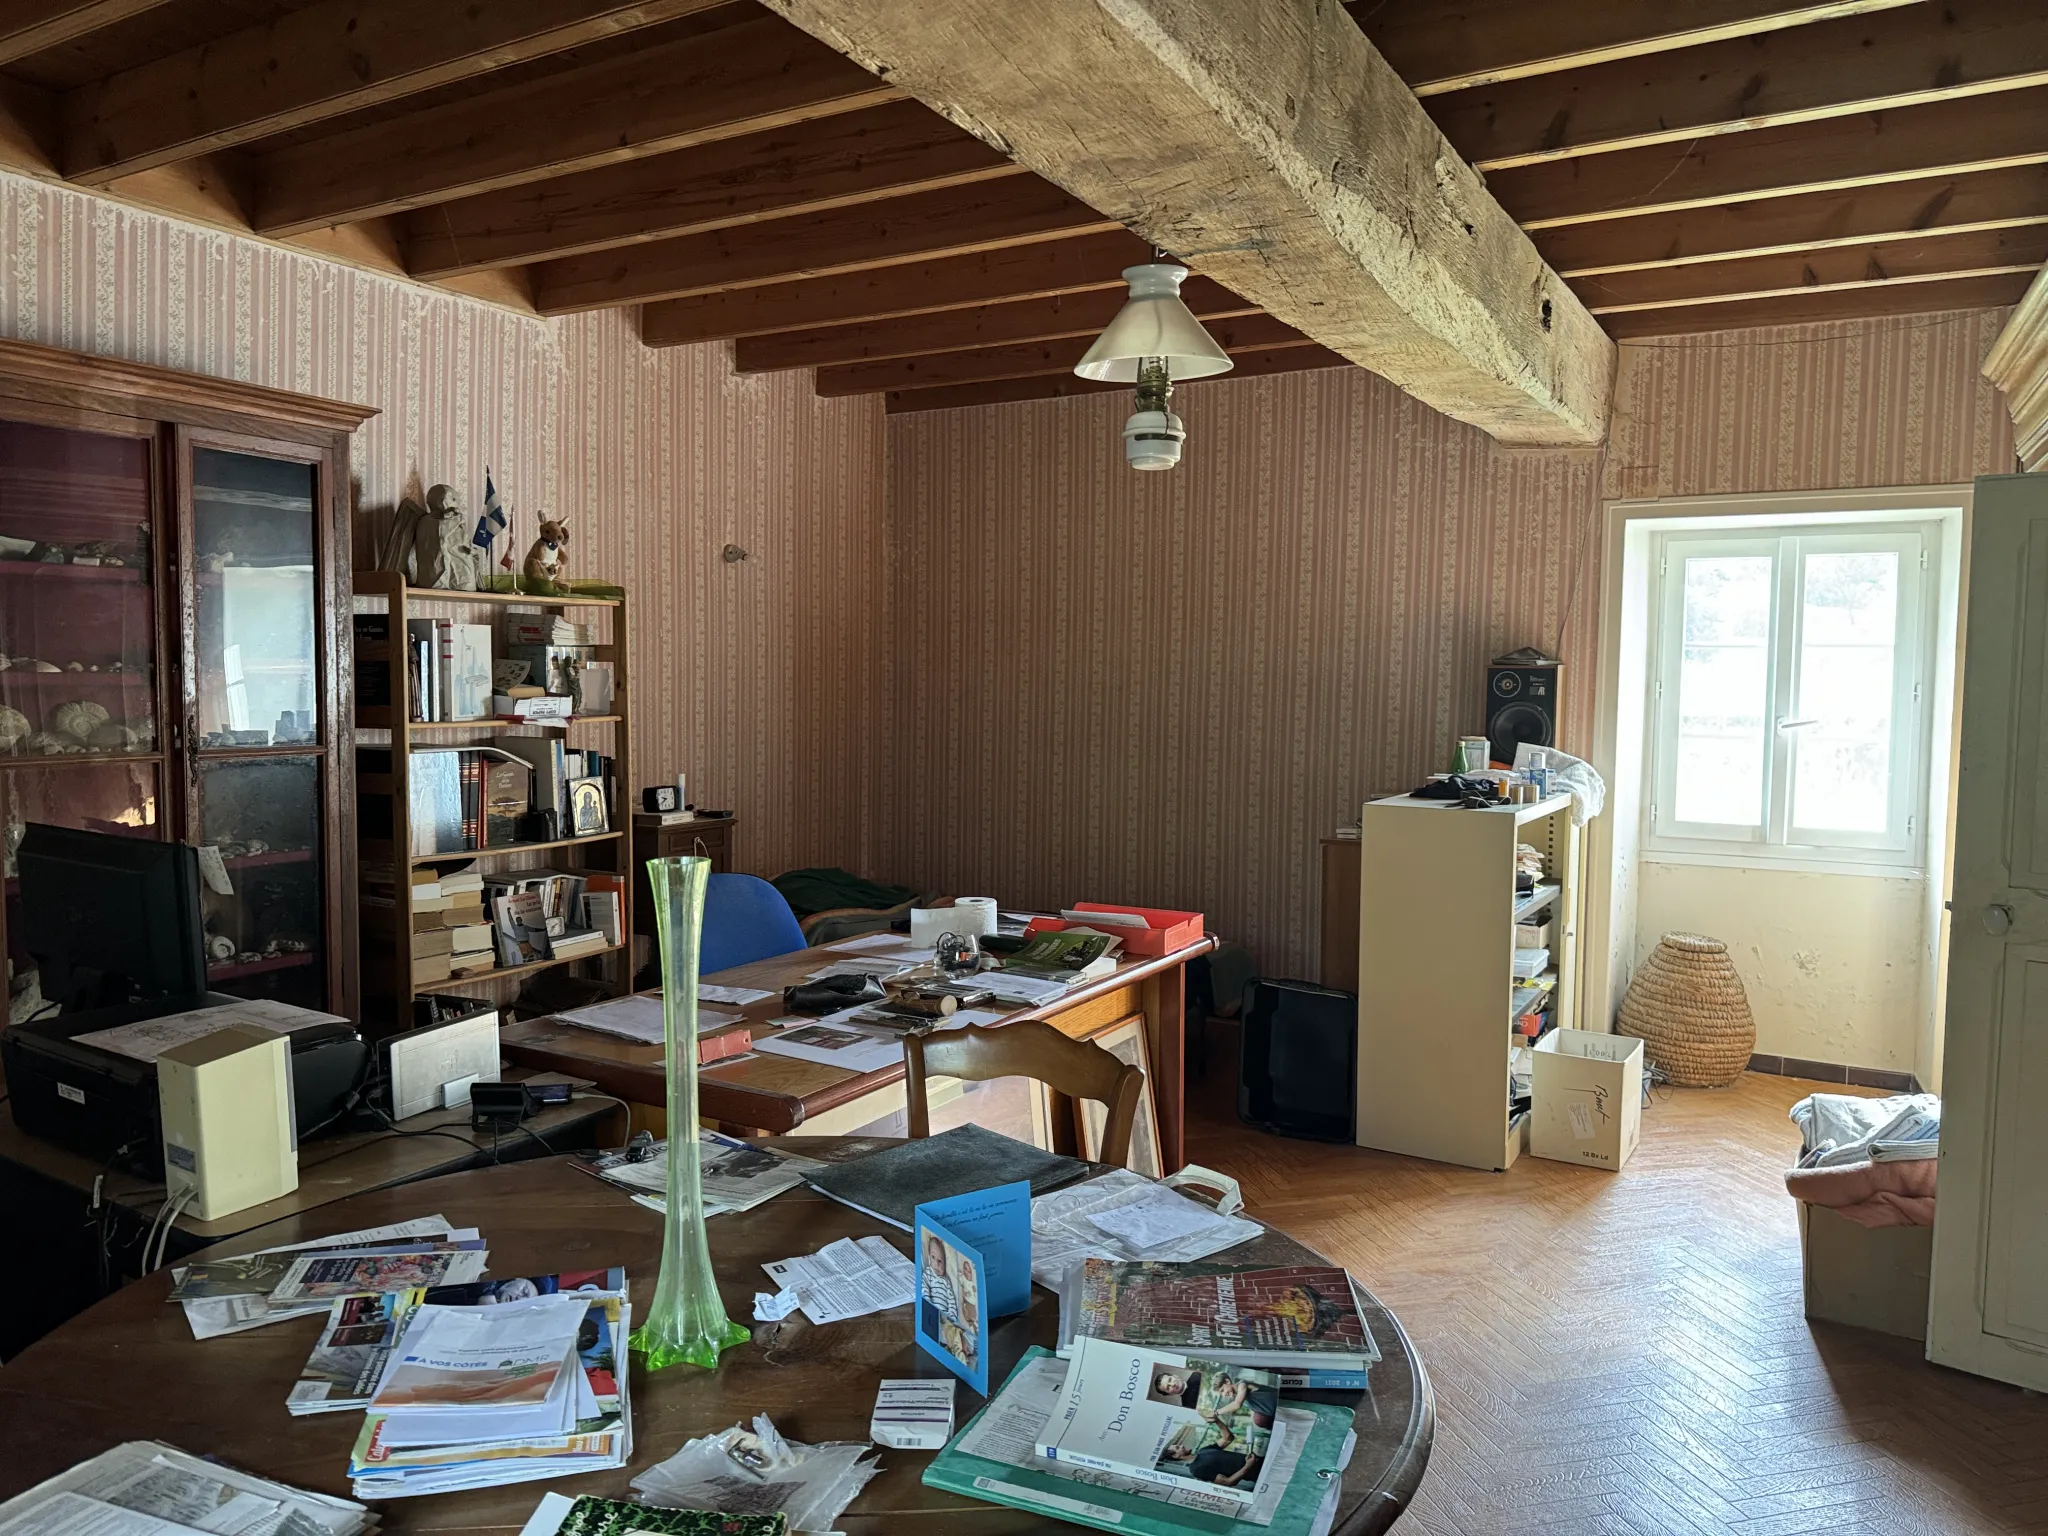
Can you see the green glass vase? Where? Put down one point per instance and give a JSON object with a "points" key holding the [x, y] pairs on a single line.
{"points": [[687, 1324]]}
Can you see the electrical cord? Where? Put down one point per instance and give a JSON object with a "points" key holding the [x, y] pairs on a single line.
{"points": [[163, 1242]]}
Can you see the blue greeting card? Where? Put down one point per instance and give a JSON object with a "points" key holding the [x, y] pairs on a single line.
{"points": [[973, 1264]]}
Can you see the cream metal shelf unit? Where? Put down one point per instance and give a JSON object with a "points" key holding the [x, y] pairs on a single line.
{"points": [[389, 989], [1436, 940]]}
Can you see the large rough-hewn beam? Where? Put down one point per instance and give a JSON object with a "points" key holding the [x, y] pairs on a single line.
{"points": [[1269, 146]]}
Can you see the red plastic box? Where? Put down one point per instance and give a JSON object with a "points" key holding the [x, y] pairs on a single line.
{"points": [[1165, 930]]}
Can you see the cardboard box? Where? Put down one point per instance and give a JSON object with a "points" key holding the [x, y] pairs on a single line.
{"points": [[1866, 1277], [1586, 1094], [1165, 930]]}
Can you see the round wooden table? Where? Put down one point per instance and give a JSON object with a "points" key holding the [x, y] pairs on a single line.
{"points": [[129, 1368]]}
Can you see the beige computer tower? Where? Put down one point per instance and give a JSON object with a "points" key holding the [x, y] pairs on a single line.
{"points": [[226, 1102]]}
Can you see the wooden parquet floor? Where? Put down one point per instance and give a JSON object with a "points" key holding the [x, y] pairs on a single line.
{"points": [[1625, 1354]]}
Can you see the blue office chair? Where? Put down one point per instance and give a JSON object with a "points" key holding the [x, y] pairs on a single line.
{"points": [[745, 919]]}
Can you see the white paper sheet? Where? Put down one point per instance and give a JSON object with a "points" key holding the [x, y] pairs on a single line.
{"points": [[738, 996], [833, 1045], [1159, 1218], [879, 944], [1062, 1233], [637, 1018], [1020, 989], [878, 965], [847, 1279], [149, 1039]]}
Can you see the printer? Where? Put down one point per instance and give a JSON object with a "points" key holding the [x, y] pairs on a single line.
{"points": [[102, 1101]]}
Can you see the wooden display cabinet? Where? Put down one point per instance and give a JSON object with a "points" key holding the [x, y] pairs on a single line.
{"points": [[174, 607]]}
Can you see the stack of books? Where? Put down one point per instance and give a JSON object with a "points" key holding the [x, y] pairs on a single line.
{"points": [[450, 934], [551, 914], [1170, 1407], [472, 1396]]}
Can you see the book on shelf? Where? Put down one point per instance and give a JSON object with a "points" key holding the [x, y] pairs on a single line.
{"points": [[1287, 1318], [1529, 963], [576, 943], [602, 909], [543, 629], [522, 929], [463, 675], [423, 652], [460, 798], [547, 706]]}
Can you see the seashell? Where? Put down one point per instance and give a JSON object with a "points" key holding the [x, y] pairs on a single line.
{"points": [[14, 728], [115, 737], [77, 720], [74, 666], [48, 744], [47, 666]]}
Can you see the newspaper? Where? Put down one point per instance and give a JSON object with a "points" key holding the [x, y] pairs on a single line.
{"points": [[324, 1276], [144, 1488], [847, 1279], [210, 1319], [1123, 1215], [638, 1018], [736, 1177], [1012, 1425]]}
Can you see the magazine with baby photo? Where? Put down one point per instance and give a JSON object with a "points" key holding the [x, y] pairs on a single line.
{"points": [[1166, 1418]]}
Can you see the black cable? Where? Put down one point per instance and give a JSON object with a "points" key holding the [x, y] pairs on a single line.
{"points": [[537, 1139]]}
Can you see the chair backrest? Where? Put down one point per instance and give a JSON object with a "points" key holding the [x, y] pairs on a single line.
{"points": [[1030, 1048], [745, 919]]}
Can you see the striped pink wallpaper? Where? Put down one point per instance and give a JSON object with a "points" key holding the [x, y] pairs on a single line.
{"points": [[752, 676], [1164, 688]]}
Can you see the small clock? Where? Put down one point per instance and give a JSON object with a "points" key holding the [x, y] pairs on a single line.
{"points": [[661, 797]]}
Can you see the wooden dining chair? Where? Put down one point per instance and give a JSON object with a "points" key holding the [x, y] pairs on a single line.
{"points": [[1030, 1048]]}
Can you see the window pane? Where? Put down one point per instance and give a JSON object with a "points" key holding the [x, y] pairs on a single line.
{"points": [[1841, 776], [1723, 687]]}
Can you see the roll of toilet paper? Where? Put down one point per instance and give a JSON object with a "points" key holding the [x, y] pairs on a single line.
{"points": [[974, 915]]}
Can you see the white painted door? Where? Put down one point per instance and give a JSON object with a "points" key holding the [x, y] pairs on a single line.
{"points": [[1988, 1307]]}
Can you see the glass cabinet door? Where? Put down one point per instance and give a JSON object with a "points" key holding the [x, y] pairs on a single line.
{"points": [[253, 696]]}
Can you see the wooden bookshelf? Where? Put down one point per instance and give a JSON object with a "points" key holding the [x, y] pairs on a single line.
{"points": [[388, 988]]}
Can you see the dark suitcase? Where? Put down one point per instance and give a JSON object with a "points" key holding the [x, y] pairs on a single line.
{"points": [[1298, 1074]]}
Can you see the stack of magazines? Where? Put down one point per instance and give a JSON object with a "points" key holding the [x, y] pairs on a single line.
{"points": [[471, 1396]]}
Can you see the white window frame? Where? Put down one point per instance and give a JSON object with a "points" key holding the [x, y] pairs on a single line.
{"points": [[1900, 849]]}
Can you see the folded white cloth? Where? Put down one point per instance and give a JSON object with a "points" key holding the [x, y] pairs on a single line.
{"points": [[1839, 1128]]}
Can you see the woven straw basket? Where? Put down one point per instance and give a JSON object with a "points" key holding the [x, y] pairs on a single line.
{"points": [[1687, 1006]]}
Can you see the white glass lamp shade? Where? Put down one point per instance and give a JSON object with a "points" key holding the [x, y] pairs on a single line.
{"points": [[1153, 323]]}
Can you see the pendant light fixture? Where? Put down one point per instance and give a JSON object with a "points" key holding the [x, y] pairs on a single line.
{"points": [[1153, 341]]}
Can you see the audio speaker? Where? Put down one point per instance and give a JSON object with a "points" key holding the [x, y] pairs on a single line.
{"points": [[1521, 702]]}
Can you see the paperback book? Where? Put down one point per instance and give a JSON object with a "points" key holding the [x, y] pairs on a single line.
{"points": [[1069, 957], [1162, 1418], [1294, 1318]]}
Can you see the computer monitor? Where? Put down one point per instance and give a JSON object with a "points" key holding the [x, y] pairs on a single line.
{"points": [[112, 919]]}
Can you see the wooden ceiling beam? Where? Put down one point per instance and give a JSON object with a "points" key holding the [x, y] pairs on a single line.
{"points": [[1441, 47], [1091, 263], [808, 168], [1912, 259], [333, 57], [957, 221], [951, 330], [1923, 53], [34, 26], [2018, 364], [1031, 359], [1266, 143], [1249, 365], [1922, 303], [1948, 138], [2007, 198], [727, 84]]}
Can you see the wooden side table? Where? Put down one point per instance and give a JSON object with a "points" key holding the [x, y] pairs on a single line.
{"points": [[710, 838]]}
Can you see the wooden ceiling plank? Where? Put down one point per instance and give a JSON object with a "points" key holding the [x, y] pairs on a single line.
{"points": [[1924, 53], [986, 325], [2018, 364], [1922, 304], [1454, 47], [2006, 198], [1251, 333], [333, 57], [1090, 263], [34, 26], [1249, 365], [807, 168], [1915, 258], [955, 221], [1278, 154], [1948, 138], [741, 80]]}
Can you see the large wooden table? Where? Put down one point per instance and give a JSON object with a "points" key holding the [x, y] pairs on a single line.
{"points": [[130, 1369], [775, 1095]]}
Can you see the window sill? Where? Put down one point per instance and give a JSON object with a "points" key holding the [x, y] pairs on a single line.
{"points": [[1752, 857]]}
